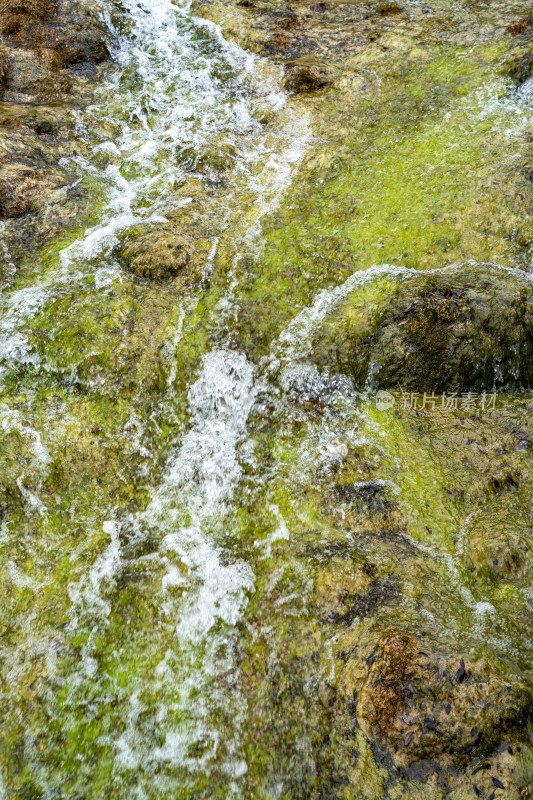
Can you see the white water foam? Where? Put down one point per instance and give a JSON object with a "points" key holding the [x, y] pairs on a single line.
{"points": [[189, 508]]}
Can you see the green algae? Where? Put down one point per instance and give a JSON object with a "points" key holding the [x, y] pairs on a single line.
{"points": [[416, 180]]}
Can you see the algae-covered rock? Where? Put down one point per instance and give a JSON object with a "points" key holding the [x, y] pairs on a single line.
{"points": [[424, 703], [160, 254], [519, 67], [498, 543], [463, 328], [21, 186], [207, 159]]}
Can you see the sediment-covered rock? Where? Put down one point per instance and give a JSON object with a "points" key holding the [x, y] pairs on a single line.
{"points": [[462, 328]]}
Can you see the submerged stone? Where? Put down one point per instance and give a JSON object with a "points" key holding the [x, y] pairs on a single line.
{"points": [[303, 76], [464, 328]]}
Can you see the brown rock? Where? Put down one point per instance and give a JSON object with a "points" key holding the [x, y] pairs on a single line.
{"points": [[388, 8], [18, 17], [425, 703], [63, 39], [521, 26], [384, 693]]}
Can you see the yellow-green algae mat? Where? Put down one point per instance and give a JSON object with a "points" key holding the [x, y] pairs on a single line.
{"points": [[226, 572]]}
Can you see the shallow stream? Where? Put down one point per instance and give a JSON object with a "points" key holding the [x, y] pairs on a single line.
{"points": [[187, 500]]}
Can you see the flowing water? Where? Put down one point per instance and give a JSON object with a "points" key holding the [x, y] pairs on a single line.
{"points": [[165, 528]]}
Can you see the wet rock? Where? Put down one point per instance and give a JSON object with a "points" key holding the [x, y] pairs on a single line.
{"points": [[388, 8], [64, 34], [21, 186], [77, 43], [30, 81], [463, 328], [4, 71], [499, 546], [391, 667], [158, 254], [424, 704], [521, 26], [207, 160], [373, 497], [348, 591], [48, 49], [305, 77], [19, 18], [519, 67]]}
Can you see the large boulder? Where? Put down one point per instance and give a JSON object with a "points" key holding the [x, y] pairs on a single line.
{"points": [[466, 327]]}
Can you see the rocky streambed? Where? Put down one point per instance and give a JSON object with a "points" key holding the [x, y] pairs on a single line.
{"points": [[266, 340]]}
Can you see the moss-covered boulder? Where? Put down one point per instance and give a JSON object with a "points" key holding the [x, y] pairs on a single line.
{"points": [[160, 254], [466, 327]]}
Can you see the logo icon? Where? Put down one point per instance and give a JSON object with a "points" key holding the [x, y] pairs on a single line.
{"points": [[384, 400]]}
